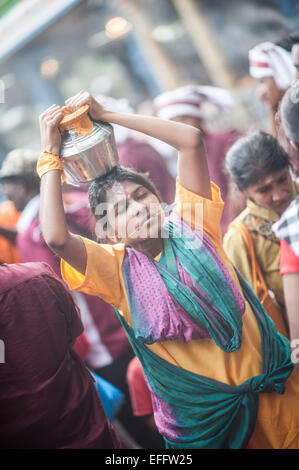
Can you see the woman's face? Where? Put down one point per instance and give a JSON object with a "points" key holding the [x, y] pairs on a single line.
{"points": [[132, 214], [274, 192], [268, 92]]}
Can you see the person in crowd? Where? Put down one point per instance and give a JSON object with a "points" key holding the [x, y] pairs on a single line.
{"points": [[219, 372], [260, 168], [186, 104], [136, 153], [104, 344], [47, 396], [271, 65]]}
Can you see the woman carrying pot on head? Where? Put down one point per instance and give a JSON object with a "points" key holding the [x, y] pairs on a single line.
{"points": [[219, 372], [260, 168]]}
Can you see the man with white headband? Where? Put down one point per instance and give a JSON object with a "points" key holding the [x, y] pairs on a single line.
{"points": [[272, 66], [187, 104]]}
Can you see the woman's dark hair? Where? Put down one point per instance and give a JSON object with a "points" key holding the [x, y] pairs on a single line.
{"points": [[253, 157], [97, 191]]}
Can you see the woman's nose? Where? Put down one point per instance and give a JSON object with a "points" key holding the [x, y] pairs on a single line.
{"points": [[276, 194], [135, 208]]}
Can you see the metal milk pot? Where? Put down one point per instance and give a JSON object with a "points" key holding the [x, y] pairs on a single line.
{"points": [[88, 148]]}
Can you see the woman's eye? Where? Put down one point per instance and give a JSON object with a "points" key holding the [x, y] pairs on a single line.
{"points": [[264, 190], [282, 179], [141, 195]]}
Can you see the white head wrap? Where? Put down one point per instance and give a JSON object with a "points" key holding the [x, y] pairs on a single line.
{"points": [[188, 100], [268, 60]]}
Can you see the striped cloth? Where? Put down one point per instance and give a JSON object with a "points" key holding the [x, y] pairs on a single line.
{"points": [[287, 227]]}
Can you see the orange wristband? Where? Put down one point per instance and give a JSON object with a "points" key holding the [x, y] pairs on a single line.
{"points": [[47, 162]]}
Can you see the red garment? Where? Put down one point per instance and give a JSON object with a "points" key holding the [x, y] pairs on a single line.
{"points": [[217, 144], [141, 156], [139, 392], [47, 396], [289, 262], [32, 248]]}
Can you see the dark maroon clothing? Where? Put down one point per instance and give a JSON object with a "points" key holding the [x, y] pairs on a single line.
{"points": [[47, 396], [141, 156], [217, 144], [32, 248]]}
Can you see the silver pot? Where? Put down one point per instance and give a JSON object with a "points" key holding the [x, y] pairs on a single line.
{"points": [[87, 157]]}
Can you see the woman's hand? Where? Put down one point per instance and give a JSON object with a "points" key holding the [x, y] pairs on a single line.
{"points": [[50, 134], [82, 98]]}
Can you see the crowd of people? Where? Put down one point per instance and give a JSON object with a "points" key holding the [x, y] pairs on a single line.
{"points": [[195, 327]]}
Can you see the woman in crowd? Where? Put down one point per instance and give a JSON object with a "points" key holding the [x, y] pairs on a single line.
{"points": [[217, 380], [260, 168]]}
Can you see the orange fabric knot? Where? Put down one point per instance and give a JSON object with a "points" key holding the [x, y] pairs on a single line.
{"points": [[77, 120], [48, 162]]}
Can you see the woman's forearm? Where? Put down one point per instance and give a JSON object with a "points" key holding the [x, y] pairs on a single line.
{"points": [[52, 217], [178, 135], [66, 245], [193, 171]]}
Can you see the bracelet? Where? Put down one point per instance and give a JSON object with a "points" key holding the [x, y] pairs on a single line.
{"points": [[48, 162]]}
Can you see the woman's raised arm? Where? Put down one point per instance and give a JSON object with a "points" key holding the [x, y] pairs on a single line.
{"points": [[52, 218], [193, 170]]}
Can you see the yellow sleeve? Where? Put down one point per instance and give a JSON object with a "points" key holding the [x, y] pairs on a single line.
{"points": [[103, 276], [236, 250], [198, 212]]}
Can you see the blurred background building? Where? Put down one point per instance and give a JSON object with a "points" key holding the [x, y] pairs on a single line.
{"points": [[49, 50]]}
